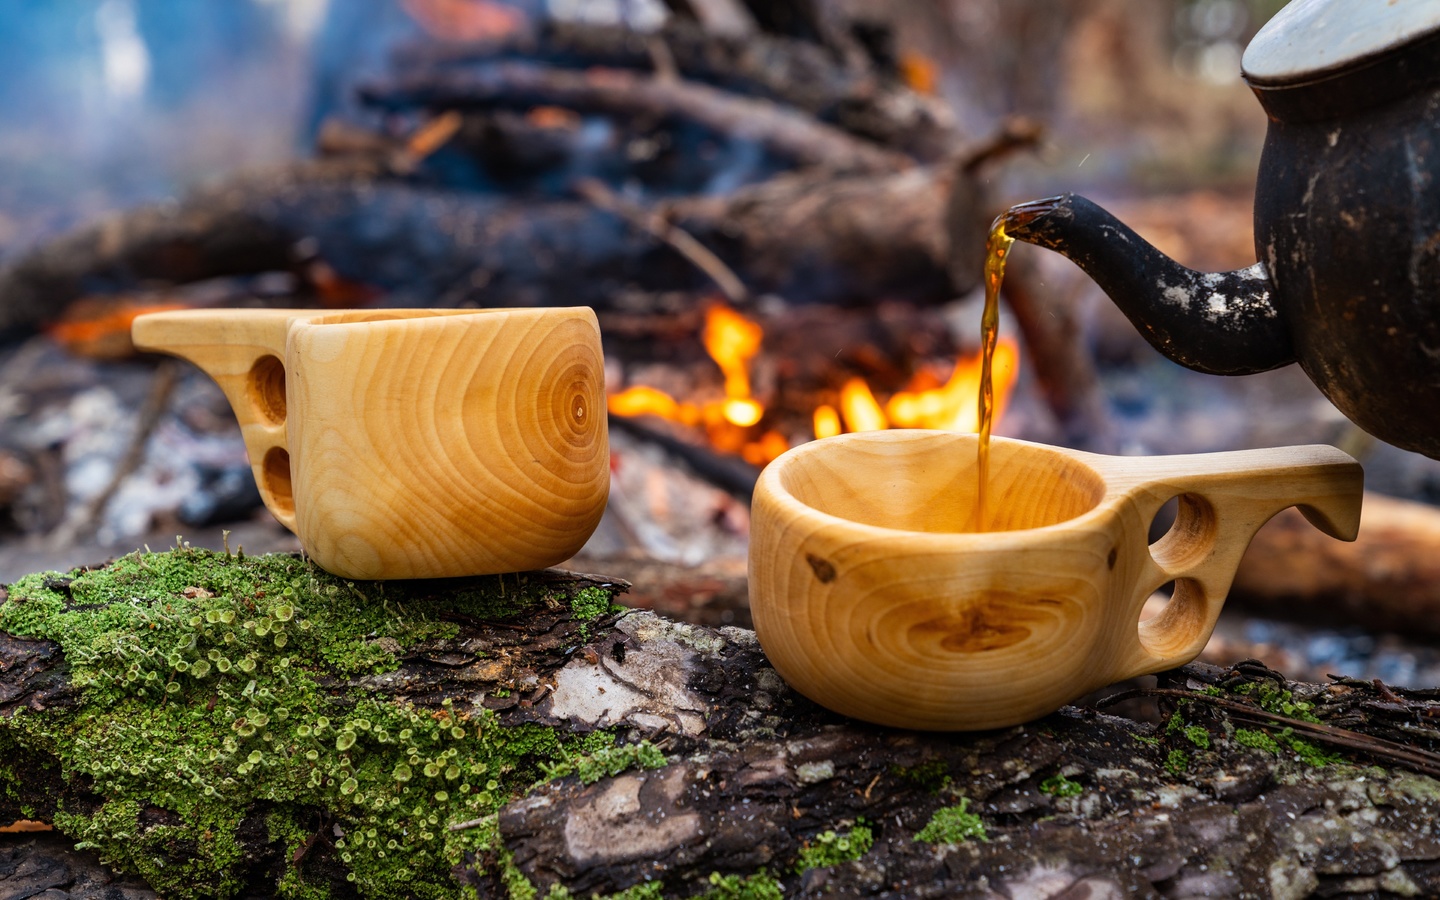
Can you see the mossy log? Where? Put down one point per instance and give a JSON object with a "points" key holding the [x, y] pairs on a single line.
{"points": [[222, 726]]}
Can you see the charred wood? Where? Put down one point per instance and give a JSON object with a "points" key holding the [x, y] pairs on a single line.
{"points": [[791, 72], [727, 17], [850, 240], [787, 132], [808, 236], [728, 473]]}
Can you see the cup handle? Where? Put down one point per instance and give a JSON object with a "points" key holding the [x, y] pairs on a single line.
{"points": [[1224, 498], [244, 351]]}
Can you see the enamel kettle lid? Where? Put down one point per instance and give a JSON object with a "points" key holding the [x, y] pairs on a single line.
{"points": [[1314, 39]]}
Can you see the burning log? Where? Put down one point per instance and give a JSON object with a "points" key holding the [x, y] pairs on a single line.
{"points": [[1387, 580], [603, 752], [786, 132], [731, 474]]}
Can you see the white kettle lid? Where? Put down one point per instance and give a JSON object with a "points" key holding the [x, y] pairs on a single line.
{"points": [[1310, 39]]}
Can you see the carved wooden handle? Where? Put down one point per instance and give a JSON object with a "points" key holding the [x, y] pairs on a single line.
{"points": [[1224, 498], [243, 350]]}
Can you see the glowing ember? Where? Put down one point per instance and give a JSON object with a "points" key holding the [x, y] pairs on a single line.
{"points": [[641, 401], [731, 422], [742, 412], [99, 327]]}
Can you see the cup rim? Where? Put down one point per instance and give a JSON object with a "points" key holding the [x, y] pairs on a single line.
{"points": [[771, 486], [383, 315]]}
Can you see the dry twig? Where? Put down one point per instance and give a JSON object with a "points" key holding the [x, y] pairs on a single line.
{"points": [[662, 229]]}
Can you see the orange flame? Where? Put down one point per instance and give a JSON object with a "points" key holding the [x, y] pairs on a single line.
{"points": [[955, 407], [860, 409], [827, 421], [731, 422], [732, 341]]}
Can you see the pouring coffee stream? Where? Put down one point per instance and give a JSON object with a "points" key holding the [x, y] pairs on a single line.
{"points": [[997, 249]]}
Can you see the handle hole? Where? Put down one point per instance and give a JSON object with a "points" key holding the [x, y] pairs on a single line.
{"points": [[276, 472], [265, 386], [1158, 602], [1177, 623], [1164, 519], [1190, 538]]}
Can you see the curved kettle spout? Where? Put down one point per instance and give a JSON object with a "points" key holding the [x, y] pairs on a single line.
{"points": [[1223, 323]]}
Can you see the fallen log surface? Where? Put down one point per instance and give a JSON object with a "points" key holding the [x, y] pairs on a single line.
{"points": [[1387, 580], [521, 737]]}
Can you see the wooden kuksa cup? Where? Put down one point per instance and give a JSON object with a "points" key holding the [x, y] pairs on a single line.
{"points": [[413, 443], [874, 596]]}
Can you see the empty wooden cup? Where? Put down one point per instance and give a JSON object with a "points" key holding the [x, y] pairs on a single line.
{"points": [[413, 443], [874, 594]]}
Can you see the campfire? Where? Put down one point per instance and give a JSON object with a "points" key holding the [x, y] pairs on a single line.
{"points": [[737, 422]]}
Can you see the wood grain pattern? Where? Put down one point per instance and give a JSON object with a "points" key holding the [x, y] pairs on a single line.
{"points": [[871, 596], [413, 443]]}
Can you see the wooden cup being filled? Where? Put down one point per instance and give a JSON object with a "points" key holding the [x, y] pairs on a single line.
{"points": [[413, 443], [874, 594]]}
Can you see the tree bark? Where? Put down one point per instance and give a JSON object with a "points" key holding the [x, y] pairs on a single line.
{"points": [[1232, 794]]}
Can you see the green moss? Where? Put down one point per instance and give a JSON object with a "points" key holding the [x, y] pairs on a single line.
{"points": [[517, 886], [1177, 761], [832, 848], [206, 691], [1257, 740], [591, 603], [646, 890], [606, 761], [1060, 786], [953, 825], [1275, 699], [1307, 752], [1176, 723], [1198, 736], [760, 886]]}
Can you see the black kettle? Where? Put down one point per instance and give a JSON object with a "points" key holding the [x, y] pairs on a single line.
{"points": [[1347, 224]]}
